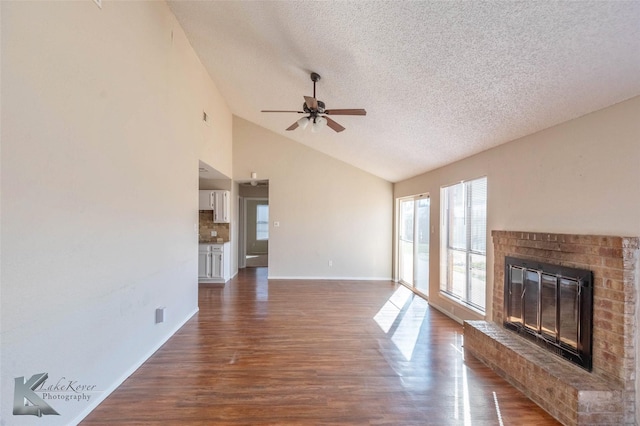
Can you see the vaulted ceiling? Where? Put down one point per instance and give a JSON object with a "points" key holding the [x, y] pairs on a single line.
{"points": [[440, 80]]}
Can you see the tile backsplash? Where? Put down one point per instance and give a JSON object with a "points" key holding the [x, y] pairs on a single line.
{"points": [[206, 225]]}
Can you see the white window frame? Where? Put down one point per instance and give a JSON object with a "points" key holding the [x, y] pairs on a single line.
{"points": [[473, 275]]}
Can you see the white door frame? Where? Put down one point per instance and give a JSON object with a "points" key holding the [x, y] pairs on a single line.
{"points": [[242, 249]]}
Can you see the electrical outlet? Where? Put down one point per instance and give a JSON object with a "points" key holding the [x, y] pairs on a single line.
{"points": [[214, 233], [160, 314], [331, 263]]}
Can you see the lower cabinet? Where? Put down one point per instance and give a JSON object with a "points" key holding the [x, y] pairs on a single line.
{"points": [[214, 263], [204, 264]]}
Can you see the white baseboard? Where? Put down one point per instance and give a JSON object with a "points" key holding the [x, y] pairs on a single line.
{"points": [[330, 278], [447, 313], [131, 370]]}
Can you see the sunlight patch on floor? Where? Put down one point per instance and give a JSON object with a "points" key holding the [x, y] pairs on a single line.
{"points": [[387, 315], [406, 335], [495, 399]]}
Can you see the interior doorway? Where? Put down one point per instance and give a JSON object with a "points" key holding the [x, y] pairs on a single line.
{"points": [[256, 232], [254, 224], [413, 242]]}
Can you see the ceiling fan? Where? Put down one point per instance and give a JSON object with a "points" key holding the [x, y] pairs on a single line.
{"points": [[317, 114]]}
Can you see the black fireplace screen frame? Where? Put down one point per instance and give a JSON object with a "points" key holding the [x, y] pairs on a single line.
{"points": [[519, 303]]}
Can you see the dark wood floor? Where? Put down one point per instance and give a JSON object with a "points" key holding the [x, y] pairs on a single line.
{"points": [[315, 353]]}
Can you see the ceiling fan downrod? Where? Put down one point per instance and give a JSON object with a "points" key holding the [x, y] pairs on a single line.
{"points": [[315, 77]]}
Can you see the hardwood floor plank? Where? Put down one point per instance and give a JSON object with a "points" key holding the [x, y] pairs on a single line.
{"points": [[317, 352]]}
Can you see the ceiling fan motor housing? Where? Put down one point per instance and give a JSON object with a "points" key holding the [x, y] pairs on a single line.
{"points": [[319, 111]]}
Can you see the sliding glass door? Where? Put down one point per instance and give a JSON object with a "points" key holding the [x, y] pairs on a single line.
{"points": [[405, 241], [413, 242]]}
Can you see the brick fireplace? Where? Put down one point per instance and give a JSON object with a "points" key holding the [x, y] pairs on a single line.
{"points": [[606, 395]]}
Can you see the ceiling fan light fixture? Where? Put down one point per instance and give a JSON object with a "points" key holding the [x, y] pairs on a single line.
{"points": [[313, 107], [303, 122], [318, 124]]}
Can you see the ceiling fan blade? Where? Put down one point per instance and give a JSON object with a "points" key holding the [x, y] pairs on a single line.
{"points": [[293, 126], [278, 110], [312, 103], [346, 112], [335, 126]]}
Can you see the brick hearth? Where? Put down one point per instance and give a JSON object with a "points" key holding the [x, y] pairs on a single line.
{"points": [[575, 397]]}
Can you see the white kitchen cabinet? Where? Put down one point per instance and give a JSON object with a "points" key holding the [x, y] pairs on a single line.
{"points": [[226, 261], [216, 200], [204, 263], [205, 200], [221, 206], [214, 263]]}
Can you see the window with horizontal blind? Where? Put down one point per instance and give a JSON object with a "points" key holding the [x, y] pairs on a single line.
{"points": [[463, 237], [262, 222]]}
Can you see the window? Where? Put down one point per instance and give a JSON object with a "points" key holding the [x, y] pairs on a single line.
{"points": [[262, 222], [463, 237]]}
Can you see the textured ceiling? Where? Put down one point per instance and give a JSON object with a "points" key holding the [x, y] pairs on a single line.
{"points": [[440, 80]]}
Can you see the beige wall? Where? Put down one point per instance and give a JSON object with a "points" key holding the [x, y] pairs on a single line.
{"points": [[582, 176], [254, 191], [101, 137], [223, 184], [327, 209]]}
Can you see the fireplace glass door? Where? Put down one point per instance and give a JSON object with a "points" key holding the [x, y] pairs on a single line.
{"points": [[515, 295], [531, 300], [569, 311], [551, 304], [548, 311]]}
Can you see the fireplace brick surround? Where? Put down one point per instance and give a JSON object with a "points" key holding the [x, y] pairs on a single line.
{"points": [[606, 395]]}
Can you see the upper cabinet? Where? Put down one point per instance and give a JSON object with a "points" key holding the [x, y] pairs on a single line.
{"points": [[221, 206], [206, 200], [218, 201]]}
